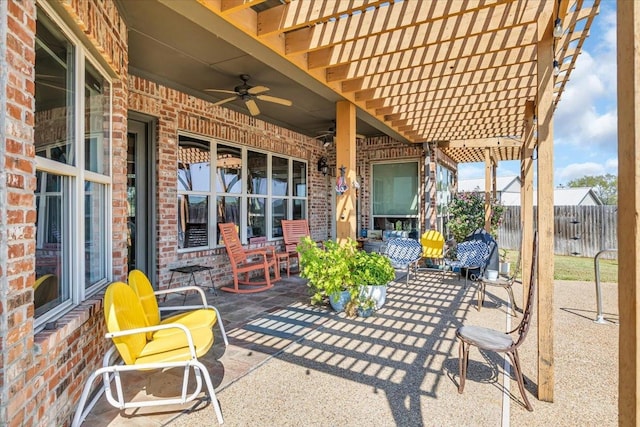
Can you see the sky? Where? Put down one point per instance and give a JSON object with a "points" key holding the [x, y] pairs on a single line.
{"points": [[585, 122]]}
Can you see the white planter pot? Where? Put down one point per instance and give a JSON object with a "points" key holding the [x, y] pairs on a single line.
{"points": [[504, 268], [376, 293]]}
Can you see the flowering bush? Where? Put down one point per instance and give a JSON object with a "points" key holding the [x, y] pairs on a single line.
{"points": [[466, 211]]}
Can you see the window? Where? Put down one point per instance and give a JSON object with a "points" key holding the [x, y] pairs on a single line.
{"points": [[72, 197], [252, 189], [444, 191], [395, 196]]}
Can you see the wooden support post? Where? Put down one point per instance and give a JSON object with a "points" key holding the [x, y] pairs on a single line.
{"points": [[346, 157], [494, 179], [526, 197], [545, 228], [487, 189], [628, 39]]}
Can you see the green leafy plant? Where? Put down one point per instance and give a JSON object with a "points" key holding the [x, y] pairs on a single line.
{"points": [[467, 215], [503, 255], [329, 269], [373, 269]]}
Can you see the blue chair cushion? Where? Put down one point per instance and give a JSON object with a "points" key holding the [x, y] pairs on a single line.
{"points": [[403, 251]]}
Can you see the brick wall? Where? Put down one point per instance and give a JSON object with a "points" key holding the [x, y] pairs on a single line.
{"points": [[41, 375], [176, 111], [17, 212]]}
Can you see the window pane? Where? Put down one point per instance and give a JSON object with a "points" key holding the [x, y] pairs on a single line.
{"points": [[299, 179], [54, 92], [97, 121], [228, 211], [229, 170], [193, 212], [299, 209], [279, 210], [397, 223], [52, 252], [256, 222], [95, 240], [395, 189], [193, 164], [257, 173], [279, 176]]}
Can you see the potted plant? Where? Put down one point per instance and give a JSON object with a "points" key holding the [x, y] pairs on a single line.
{"points": [[372, 273], [329, 270], [365, 306], [504, 263]]}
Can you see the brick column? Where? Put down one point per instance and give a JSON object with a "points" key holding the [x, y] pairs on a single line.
{"points": [[17, 209]]}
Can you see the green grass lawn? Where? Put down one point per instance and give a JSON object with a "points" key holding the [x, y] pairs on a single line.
{"points": [[578, 268]]}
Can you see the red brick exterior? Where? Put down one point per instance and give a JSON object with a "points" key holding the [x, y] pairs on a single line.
{"points": [[176, 111], [50, 367], [42, 373]]}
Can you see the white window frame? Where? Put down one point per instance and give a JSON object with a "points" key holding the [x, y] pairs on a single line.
{"points": [[243, 195], [73, 258]]}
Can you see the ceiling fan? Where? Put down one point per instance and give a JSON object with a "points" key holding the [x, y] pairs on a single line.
{"points": [[328, 136], [249, 94]]}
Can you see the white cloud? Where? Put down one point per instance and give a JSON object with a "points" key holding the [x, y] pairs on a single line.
{"points": [[476, 170], [612, 166], [587, 114], [470, 171], [578, 170]]}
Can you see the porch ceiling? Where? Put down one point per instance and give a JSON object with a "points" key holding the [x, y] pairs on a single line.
{"points": [[455, 72]]}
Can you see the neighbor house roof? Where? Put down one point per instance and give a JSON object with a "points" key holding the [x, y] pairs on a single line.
{"points": [[503, 183], [580, 196]]}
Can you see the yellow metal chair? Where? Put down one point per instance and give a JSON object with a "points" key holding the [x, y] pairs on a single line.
{"points": [[127, 327], [45, 290], [432, 247], [197, 316]]}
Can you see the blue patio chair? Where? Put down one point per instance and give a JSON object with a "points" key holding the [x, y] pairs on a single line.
{"points": [[472, 257], [404, 254]]}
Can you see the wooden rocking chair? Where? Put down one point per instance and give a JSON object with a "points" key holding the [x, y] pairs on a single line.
{"points": [[245, 261], [293, 230]]}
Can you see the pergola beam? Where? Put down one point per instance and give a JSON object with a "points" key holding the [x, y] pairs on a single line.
{"points": [[526, 197], [545, 228], [481, 143], [628, 55]]}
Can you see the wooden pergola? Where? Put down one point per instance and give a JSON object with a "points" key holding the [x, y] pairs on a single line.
{"points": [[480, 79]]}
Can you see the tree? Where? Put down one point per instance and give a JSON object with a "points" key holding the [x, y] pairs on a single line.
{"points": [[605, 186], [467, 214]]}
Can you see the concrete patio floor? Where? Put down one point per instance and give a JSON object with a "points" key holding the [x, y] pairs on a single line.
{"points": [[291, 364]]}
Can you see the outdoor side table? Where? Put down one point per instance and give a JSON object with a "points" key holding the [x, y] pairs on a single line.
{"points": [[191, 270]]}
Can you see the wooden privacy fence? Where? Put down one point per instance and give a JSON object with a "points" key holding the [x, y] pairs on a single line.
{"points": [[579, 230]]}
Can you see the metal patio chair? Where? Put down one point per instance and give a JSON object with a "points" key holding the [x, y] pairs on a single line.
{"points": [[432, 242], [490, 339], [127, 328], [191, 316], [505, 283], [404, 254], [472, 257]]}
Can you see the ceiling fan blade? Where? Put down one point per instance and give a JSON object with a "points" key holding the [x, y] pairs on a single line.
{"points": [[257, 89], [219, 90], [274, 99], [224, 101], [252, 106]]}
